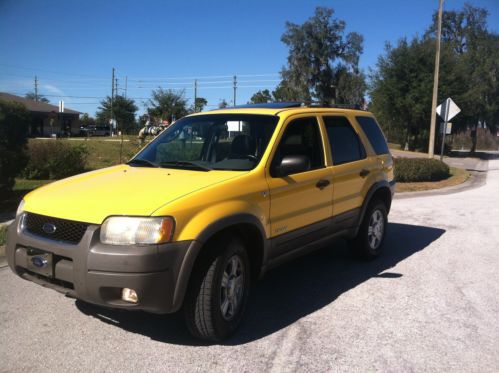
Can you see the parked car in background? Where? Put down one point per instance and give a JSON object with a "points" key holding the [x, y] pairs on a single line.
{"points": [[95, 131]]}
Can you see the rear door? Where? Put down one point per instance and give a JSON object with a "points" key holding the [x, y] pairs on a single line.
{"points": [[352, 169], [378, 142]]}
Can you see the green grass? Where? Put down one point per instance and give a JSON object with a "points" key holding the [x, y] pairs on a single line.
{"points": [[3, 235], [102, 152]]}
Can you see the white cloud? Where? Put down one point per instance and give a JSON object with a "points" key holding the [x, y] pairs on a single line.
{"points": [[52, 89]]}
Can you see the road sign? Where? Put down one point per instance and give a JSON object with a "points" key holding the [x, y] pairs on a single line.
{"points": [[448, 109], [448, 129], [61, 106]]}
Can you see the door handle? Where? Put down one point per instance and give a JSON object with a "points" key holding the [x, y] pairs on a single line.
{"points": [[364, 173], [321, 184]]}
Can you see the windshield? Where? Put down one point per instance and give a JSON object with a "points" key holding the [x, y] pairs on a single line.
{"points": [[210, 142]]}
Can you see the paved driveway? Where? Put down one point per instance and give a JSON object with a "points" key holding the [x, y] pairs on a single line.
{"points": [[430, 304]]}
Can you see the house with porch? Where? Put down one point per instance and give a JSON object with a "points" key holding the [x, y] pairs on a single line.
{"points": [[46, 119]]}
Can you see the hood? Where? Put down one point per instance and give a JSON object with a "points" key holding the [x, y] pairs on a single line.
{"points": [[119, 190]]}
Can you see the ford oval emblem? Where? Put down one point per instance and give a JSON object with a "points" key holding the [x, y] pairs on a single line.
{"points": [[39, 261], [49, 228]]}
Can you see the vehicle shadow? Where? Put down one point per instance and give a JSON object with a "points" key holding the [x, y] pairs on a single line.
{"points": [[289, 292]]}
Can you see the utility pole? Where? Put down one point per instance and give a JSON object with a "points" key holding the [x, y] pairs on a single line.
{"points": [[126, 85], [112, 104], [116, 87], [195, 95], [36, 88], [431, 144], [235, 88]]}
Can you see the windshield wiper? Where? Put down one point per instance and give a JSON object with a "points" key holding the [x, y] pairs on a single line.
{"points": [[185, 164], [143, 162]]}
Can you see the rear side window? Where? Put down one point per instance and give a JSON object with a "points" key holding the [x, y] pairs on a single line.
{"points": [[345, 144], [374, 134]]}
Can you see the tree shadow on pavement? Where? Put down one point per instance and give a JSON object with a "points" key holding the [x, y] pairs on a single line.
{"points": [[288, 292]]}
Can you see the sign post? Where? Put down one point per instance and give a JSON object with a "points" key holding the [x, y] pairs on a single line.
{"points": [[446, 110]]}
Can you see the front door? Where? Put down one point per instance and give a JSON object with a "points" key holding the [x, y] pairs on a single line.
{"points": [[300, 204]]}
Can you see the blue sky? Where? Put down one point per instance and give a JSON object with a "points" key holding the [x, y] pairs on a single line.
{"points": [[72, 45]]}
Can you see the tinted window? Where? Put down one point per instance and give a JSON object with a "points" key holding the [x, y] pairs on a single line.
{"points": [[374, 134], [345, 144], [302, 137]]}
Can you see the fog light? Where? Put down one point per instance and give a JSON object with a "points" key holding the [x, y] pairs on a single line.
{"points": [[129, 295]]}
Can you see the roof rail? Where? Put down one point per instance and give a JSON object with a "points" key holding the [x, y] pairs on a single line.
{"points": [[336, 106], [271, 105], [293, 104]]}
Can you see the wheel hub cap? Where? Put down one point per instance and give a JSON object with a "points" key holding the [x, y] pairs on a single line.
{"points": [[232, 287], [376, 229]]}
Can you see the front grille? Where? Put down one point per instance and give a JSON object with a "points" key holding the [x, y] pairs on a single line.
{"points": [[65, 230]]}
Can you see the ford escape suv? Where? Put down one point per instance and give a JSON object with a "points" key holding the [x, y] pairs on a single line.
{"points": [[205, 209]]}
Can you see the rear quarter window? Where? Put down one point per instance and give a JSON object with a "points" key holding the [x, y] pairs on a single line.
{"points": [[374, 134]]}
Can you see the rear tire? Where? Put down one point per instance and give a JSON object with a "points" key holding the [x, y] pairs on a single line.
{"points": [[218, 290], [368, 243]]}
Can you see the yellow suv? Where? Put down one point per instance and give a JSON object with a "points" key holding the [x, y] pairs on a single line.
{"points": [[207, 208]]}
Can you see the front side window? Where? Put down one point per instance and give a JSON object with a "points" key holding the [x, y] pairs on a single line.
{"points": [[302, 137], [211, 142], [345, 144]]}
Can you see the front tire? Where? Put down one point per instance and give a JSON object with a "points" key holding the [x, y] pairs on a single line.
{"points": [[368, 243], [218, 291]]}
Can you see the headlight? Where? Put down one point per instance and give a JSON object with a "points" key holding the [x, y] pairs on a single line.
{"points": [[122, 230], [20, 208]]}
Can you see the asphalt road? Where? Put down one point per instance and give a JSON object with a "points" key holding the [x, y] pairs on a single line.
{"points": [[431, 303]]}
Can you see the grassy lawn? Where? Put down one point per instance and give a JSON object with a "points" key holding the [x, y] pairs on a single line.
{"points": [[457, 176], [3, 236], [104, 151]]}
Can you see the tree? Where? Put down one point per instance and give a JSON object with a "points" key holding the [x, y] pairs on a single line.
{"points": [[167, 104], [14, 124], [261, 97], [124, 110], [86, 120], [222, 104], [32, 96], [319, 55], [199, 105], [401, 84]]}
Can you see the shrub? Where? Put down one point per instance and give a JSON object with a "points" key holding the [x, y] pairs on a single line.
{"points": [[14, 123], [55, 159], [420, 169]]}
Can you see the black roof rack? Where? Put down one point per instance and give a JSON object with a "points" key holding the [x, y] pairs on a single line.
{"points": [[293, 104], [270, 105]]}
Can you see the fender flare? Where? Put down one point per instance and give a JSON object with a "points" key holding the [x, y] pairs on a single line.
{"points": [[197, 245], [374, 188]]}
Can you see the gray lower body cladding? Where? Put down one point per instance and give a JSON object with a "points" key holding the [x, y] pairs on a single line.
{"points": [[97, 273]]}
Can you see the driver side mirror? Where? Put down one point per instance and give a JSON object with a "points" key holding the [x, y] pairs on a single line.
{"points": [[291, 164]]}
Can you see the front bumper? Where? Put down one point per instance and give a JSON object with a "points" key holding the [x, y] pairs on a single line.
{"points": [[97, 273]]}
